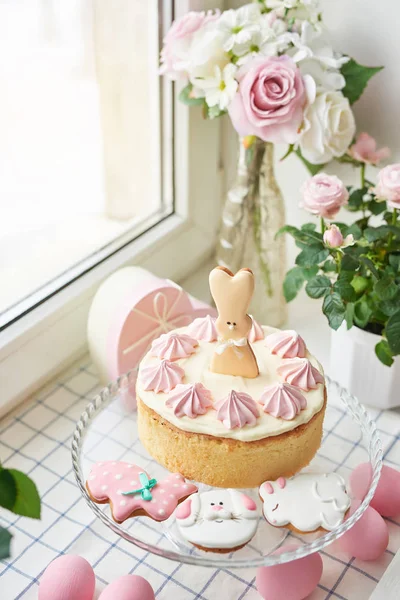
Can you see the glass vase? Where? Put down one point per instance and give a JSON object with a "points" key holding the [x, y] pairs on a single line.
{"points": [[253, 212]]}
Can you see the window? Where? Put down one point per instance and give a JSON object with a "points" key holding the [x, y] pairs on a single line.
{"points": [[86, 156], [79, 183]]}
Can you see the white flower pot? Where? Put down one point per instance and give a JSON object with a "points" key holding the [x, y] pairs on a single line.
{"points": [[356, 367]]}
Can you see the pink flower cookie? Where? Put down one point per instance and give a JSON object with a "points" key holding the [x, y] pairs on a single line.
{"points": [[132, 493]]}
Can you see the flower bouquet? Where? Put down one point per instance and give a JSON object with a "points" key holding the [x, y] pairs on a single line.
{"points": [[354, 268], [270, 66]]}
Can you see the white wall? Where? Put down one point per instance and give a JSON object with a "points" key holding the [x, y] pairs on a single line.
{"points": [[367, 30]]}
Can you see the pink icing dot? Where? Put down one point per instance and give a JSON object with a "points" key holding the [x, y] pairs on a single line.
{"points": [[281, 482], [268, 488]]}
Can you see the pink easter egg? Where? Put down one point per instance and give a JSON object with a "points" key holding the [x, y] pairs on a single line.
{"points": [[67, 577], [386, 499], [369, 536], [128, 587], [293, 580]]}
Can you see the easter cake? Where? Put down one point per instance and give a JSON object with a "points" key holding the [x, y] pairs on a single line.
{"points": [[228, 402]]}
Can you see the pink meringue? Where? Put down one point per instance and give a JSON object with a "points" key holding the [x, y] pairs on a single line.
{"points": [[301, 373], [283, 400], [173, 346], [162, 376], [190, 400], [286, 344], [256, 332], [236, 410], [203, 329]]}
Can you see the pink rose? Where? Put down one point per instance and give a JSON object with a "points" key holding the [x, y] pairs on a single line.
{"points": [[388, 187], [364, 150], [333, 238], [270, 100], [177, 41], [323, 195]]}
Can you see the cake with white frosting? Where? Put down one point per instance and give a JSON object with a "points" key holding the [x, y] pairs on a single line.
{"points": [[198, 417]]}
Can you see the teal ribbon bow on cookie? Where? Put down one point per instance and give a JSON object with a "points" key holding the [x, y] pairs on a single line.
{"points": [[144, 491]]}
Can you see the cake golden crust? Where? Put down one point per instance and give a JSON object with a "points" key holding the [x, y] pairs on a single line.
{"points": [[227, 462]]}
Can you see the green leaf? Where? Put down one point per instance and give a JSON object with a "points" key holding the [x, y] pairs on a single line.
{"points": [[288, 152], [300, 235], [394, 260], [356, 199], [349, 316], [359, 284], [370, 265], [334, 309], [185, 97], [373, 234], [5, 539], [309, 227], [293, 283], [318, 286], [357, 77], [310, 272], [349, 263], [354, 230], [8, 489], [329, 266], [385, 288], [344, 288], [383, 352], [287, 229], [312, 255], [390, 307], [392, 331], [313, 169], [362, 312], [27, 502], [377, 208]]}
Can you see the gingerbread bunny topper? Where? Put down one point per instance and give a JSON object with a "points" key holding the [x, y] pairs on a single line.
{"points": [[232, 295]]}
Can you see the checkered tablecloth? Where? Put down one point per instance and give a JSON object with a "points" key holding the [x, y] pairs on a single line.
{"points": [[36, 439]]}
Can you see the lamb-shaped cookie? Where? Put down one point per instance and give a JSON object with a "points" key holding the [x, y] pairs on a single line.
{"points": [[232, 295], [307, 502], [218, 521], [132, 493]]}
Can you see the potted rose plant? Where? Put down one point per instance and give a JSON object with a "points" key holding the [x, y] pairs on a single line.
{"points": [[355, 269]]}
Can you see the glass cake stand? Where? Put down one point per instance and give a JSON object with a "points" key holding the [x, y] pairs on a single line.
{"points": [[107, 430]]}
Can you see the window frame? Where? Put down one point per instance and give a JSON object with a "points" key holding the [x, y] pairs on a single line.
{"points": [[53, 334]]}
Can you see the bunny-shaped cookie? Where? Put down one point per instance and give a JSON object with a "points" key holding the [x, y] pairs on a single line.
{"points": [[232, 295]]}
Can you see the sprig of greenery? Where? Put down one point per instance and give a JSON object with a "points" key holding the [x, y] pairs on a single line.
{"points": [[359, 284], [18, 494]]}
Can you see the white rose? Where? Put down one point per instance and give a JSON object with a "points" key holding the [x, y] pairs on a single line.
{"points": [[328, 129]]}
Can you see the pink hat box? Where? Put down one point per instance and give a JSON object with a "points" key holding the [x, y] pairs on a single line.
{"points": [[131, 308]]}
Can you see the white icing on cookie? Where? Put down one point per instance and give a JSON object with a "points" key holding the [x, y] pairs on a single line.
{"points": [[197, 370], [219, 519], [307, 501]]}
